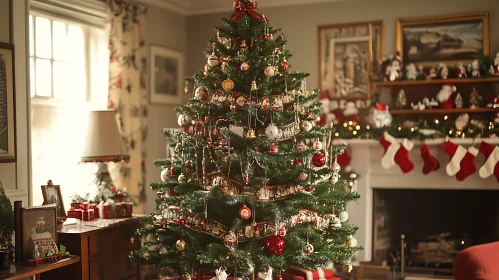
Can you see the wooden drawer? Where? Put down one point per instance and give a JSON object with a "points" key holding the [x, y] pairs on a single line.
{"points": [[112, 241], [112, 267]]}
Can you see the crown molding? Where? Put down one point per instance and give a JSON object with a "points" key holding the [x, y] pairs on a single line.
{"points": [[200, 7]]}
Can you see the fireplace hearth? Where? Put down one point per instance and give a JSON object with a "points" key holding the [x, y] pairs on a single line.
{"points": [[437, 224]]}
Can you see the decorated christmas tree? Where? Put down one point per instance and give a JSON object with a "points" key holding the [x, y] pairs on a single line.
{"points": [[250, 183]]}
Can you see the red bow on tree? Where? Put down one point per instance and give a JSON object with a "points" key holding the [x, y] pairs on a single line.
{"points": [[241, 9], [380, 107]]}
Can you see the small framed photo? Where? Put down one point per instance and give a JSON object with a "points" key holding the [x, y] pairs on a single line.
{"points": [[39, 232], [443, 39], [166, 75], [52, 195], [7, 104], [349, 54]]}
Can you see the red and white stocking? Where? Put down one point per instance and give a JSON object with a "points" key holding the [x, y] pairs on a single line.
{"points": [[396, 153], [490, 166], [430, 163], [468, 165], [344, 158], [456, 154]]}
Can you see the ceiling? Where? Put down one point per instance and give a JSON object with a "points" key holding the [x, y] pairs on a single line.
{"points": [[198, 7]]}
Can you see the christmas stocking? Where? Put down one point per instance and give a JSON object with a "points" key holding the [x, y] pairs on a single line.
{"points": [[430, 163], [402, 156], [391, 147], [468, 166], [490, 166], [344, 158], [456, 154]]}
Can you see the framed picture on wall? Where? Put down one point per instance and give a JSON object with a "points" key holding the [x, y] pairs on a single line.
{"points": [[166, 75], [349, 54], [443, 39], [7, 104]]}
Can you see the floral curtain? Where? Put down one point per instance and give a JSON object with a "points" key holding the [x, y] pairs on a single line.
{"points": [[127, 91]]}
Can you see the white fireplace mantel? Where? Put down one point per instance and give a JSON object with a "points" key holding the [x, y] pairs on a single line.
{"points": [[366, 161]]}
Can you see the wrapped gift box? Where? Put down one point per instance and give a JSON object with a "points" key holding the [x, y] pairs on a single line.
{"points": [[201, 275], [296, 273], [119, 209], [88, 214], [94, 207], [75, 213], [84, 205], [75, 205], [128, 209]]}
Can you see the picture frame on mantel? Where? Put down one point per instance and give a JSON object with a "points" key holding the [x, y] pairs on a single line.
{"points": [[349, 54], [7, 104], [448, 39], [166, 75], [52, 195]]}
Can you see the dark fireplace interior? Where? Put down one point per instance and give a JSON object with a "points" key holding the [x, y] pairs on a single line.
{"points": [[437, 224]]}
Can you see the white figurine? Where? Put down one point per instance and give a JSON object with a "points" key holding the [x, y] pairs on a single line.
{"points": [[220, 274], [495, 66], [393, 70], [461, 71], [411, 72], [475, 69], [443, 71]]}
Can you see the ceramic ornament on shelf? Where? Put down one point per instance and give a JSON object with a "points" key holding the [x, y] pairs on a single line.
{"points": [[401, 102], [494, 68], [474, 68], [461, 71], [411, 72], [380, 116], [458, 101], [443, 71], [475, 99]]}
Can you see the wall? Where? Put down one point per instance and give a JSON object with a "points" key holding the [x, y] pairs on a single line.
{"points": [[299, 25], [15, 176], [164, 28]]}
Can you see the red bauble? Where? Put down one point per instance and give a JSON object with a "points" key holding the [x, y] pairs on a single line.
{"points": [[188, 163], [181, 222], [297, 162], [309, 188], [279, 277], [285, 65], [273, 149], [319, 159], [275, 245], [244, 212]]}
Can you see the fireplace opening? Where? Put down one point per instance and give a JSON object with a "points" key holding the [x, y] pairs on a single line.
{"points": [[437, 224]]}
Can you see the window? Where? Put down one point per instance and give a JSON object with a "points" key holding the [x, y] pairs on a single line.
{"points": [[68, 76]]}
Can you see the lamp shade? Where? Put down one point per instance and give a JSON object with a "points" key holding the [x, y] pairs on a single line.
{"points": [[103, 141]]}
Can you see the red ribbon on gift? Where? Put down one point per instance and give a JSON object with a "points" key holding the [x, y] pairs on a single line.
{"points": [[241, 9], [380, 107]]}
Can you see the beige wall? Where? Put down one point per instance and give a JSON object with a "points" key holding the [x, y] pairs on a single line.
{"points": [[167, 29], [299, 25], [4, 21]]}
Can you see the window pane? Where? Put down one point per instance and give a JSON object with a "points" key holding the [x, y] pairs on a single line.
{"points": [[43, 77], [43, 38], [76, 43], [61, 79], [31, 37], [59, 33], [32, 76], [77, 60]]}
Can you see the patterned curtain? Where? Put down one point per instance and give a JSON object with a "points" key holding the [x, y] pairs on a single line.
{"points": [[127, 91]]}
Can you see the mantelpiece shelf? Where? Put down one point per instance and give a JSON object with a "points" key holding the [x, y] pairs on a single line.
{"points": [[443, 111], [438, 81]]}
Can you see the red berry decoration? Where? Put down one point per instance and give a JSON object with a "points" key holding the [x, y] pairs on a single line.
{"points": [[275, 245], [319, 159], [273, 149], [181, 222], [297, 162], [309, 188]]}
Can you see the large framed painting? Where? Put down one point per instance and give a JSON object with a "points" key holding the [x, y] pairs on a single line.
{"points": [[166, 74], [443, 39], [349, 54], [7, 103]]}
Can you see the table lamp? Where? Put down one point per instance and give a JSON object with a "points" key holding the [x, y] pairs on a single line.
{"points": [[103, 144]]}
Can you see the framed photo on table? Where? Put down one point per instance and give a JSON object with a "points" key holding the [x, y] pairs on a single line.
{"points": [[7, 104], [443, 39], [166, 75], [52, 195], [39, 231]]}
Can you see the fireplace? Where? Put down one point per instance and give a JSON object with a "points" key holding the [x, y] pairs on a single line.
{"points": [[437, 224]]}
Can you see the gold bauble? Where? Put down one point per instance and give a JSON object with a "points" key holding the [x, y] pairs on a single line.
{"points": [[180, 245], [348, 268], [228, 85], [250, 134], [351, 242]]}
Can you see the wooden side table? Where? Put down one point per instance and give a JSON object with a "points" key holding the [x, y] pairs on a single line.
{"points": [[24, 271], [104, 251]]}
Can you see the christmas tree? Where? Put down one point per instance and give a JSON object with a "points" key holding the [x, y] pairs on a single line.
{"points": [[250, 182]]}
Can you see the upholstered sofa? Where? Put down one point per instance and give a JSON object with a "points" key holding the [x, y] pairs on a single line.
{"points": [[480, 262]]}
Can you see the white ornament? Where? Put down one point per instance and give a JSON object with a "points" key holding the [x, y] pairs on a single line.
{"points": [[271, 131], [220, 274], [462, 121], [306, 125], [317, 145], [244, 66], [381, 116], [269, 71], [213, 60], [344, 216], [475, 68], [164, 175]]}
